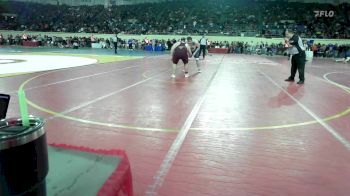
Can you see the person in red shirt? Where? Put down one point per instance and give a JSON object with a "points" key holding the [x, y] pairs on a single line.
{"points": [[180, 51]]}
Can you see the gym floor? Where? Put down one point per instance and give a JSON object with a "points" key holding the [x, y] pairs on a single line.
{"points": [[237, 128]]}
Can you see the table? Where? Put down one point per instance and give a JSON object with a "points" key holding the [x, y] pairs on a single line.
{"points": [[30, 44], [96, 45], [218, 50]]}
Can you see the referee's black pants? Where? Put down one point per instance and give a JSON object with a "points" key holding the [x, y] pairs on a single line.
{"points": [[115, 47], [298, 63], [202, 48]]}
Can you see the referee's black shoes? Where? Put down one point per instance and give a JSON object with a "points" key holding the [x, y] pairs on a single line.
{"points": [[300, 82], [289, 80]]}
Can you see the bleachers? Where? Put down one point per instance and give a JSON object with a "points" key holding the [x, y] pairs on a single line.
{"points": [[181, 17]]}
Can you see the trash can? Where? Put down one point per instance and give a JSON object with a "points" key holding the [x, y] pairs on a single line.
{"points": [[309, 55], [23, 157]]}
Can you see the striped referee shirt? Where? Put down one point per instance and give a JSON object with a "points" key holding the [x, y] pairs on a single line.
{"points": [[297, 44]]}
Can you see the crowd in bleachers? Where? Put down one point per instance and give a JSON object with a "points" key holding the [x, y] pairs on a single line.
{"points": [[319, 50], [81, 42], [251, 18]]}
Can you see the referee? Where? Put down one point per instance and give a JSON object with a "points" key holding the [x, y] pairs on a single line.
{"points": [[297, 52], [203, 45], [115, 43]]}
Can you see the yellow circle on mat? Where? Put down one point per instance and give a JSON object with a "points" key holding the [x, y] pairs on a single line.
{"points": [[132, 127]]}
